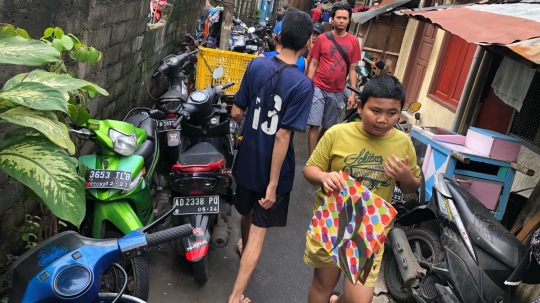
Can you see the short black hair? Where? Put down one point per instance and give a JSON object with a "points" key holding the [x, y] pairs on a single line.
{"points": [[296, 29], [383, 86], [279, 17], [285, 7], [291, 9], [338, 6]]}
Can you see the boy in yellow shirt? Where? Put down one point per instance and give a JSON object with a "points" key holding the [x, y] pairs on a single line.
{"points": [[376, 154]]}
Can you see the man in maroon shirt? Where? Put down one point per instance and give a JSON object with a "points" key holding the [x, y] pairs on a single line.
{"points": [[328, 70]]}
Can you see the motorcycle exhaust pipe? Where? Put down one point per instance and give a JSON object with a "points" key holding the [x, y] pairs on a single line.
{"points": [[220, 236], [405, 259]]}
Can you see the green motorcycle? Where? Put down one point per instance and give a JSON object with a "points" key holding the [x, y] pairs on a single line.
{"points": [[118, 183]]}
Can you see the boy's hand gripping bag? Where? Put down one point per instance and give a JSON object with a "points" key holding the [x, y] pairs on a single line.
{"points": [[352, 226]]}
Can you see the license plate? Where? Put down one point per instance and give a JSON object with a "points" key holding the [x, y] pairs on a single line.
{"points": [[397, 195], [165, 124], [196, 205], [98, 178]]}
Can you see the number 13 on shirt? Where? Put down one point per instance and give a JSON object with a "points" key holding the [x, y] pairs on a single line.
{"points": [[269, 129]]}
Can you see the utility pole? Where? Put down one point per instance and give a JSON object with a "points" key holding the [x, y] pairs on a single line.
{"points": [[226, 24]]}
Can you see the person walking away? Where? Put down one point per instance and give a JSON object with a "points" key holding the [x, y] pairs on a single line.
{"points": [[316, 12], [374, 153], [334, 55], [301, 62], [277, 97]]}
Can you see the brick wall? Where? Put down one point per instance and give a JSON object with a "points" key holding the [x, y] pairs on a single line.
{"points": [[131, 52]]}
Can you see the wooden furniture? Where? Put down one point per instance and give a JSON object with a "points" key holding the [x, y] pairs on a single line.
{"points": [[489, 173]]}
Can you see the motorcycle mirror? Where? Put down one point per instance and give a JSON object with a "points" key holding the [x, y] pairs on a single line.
{"points": [[217, 73], [414, 107], [251, 29], [157, 114]]}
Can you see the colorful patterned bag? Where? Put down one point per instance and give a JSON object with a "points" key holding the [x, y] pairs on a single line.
{"points": [[352, 226]]}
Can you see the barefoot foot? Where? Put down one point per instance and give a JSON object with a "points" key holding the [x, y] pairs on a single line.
{"points": [[334, 297], [241, 299]]}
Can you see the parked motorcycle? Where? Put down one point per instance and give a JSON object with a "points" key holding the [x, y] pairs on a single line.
{"points": [[70, 268], [201, 180], [118, 183], [175, 68], [466, 258], [239, 36], [253, 41]]}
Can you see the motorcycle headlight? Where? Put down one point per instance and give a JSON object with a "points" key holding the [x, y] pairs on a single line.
{"points": [[123, 144], [133, 183], [72, 281]]}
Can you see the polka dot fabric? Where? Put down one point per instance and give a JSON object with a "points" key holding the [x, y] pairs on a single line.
{"points": [[352, 226]]}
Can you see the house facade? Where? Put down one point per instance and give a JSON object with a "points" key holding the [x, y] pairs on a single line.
{"points": [[444, 69]]}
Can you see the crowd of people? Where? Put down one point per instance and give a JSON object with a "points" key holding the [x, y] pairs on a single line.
{"points": [[299, 87]]}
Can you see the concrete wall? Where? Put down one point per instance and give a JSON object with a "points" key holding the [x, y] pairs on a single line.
{"points": [[131, 52], [529, 159]]}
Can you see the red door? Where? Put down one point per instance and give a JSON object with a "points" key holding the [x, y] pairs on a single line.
{"points": [[455, 68]]}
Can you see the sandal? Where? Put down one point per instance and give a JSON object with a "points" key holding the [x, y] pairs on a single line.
{"points": [[334, 293]]}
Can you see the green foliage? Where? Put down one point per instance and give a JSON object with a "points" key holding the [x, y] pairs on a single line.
{"points": [[38, 154], [30, 231]]}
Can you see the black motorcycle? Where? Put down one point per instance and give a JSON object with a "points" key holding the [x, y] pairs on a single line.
{"points": [[175, 68], [464, 257], [201, 180]]}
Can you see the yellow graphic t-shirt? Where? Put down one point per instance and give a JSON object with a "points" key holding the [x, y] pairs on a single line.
{"points": [[347, 147]]}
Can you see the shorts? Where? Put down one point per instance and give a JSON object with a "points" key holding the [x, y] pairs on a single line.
{"points": [[326, 108], [246, 200], [316, 256]]}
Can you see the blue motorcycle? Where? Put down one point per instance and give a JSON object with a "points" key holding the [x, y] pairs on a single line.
{"points": [[69, 267]]}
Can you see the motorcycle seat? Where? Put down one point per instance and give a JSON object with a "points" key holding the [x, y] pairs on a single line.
{"points": [[484, 230], [202, 153], [173, 94], [149, 125], [146, 150]]}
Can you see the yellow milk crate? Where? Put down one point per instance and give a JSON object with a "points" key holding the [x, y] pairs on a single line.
{"points": [[234, 65]]}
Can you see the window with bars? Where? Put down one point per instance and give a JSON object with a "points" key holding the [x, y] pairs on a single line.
{"points": [[526, 123]]}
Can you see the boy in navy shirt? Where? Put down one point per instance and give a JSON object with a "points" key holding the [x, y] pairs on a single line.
{"points": [[277, 98]]}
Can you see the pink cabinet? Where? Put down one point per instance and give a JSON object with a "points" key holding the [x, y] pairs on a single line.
{"points": [[487, 192]]}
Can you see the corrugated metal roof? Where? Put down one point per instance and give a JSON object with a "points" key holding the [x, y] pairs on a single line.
{"points": [[529, 49], [518, 10], [514, 25], [386, 6]]}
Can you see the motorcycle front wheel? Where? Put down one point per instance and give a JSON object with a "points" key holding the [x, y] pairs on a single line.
{"points": [[138, 284]]}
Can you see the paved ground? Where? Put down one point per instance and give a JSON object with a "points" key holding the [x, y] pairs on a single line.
{"points": [[281, 275]]}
